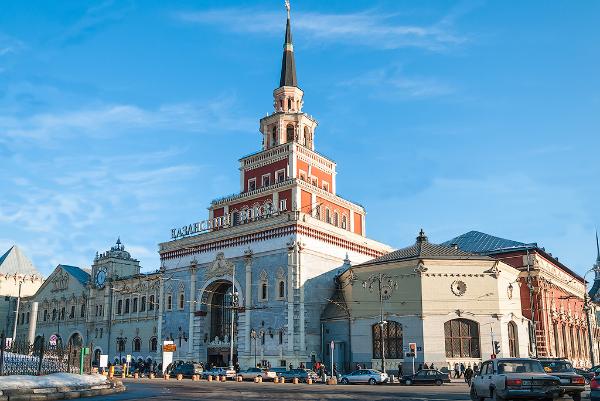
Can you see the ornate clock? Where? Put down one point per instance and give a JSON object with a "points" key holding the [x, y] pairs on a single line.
{"points": [[458, 287], [100, 278]]}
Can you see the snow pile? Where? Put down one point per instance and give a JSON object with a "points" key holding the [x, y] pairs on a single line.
{"points": [[52, 380]]}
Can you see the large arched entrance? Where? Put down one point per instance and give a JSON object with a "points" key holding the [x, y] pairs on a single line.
{"points": [[219, 317]]}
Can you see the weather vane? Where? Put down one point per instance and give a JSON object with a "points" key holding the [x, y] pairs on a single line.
{"points": [[287, 7]]}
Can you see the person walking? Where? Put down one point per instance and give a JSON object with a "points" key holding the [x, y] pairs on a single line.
{"points": [[456, 370], [462, 369], [399, 370], [425, 366], [468, 375], [431, 366]]}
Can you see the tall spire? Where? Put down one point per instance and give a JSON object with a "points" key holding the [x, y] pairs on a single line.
{"points": [[597, 250], [288, 65]]}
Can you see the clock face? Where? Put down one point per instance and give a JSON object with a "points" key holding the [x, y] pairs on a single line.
{"points": [[458, 288], [100, 278]]}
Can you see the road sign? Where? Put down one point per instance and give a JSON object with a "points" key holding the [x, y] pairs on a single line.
{"points": [[53, 339], [103, 361], [169, 348], [128, 358], [412, 347]]}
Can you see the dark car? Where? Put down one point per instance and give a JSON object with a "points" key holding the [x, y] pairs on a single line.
{"points": [[187, 369], [571, 383], [300, 374], [426, 376], [588, 375]]}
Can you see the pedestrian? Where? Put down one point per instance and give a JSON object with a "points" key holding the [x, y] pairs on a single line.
{"points": [[468, 375], [302, 365], [456, 370], [431, 366], [358, 366], [291, 366], [399, 370], [425, 366], [237, 367], [335, 373], [462, 369]]}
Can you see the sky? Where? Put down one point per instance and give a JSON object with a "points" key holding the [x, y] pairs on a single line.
{"points": [[126, 118]]}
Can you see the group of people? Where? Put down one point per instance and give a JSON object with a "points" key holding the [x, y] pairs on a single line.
{"points": [[467, 372]]}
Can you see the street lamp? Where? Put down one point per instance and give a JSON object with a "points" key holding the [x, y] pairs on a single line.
{"points": [[254, 335], [384, 284]]}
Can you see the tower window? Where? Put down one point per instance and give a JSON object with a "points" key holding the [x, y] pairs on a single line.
{"points": [[151, 303], [318, 212], [143, 304], [289, 104], [135, 305], [181, 300], [266, 180], [327, 215], [289, 133], [82, 312], [274, 136], [281, 289], [344, 222], [335, 218], [326, 186], [119, 306], [280, 175], [169, 302], [251, 184], [127, 305]]}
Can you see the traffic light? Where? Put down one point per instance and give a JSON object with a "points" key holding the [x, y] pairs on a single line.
{"points": [[496, 347]]}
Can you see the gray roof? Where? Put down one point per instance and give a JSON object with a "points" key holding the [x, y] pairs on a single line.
{"points": [[478, 242], [288, 64], [80, 274], [423, 249], [14, 261]]}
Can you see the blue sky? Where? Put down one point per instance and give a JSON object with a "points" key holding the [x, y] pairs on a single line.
{"points": [[126, 118]]}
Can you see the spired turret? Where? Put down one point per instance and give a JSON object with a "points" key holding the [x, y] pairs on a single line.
{"points": [[288, 123]]}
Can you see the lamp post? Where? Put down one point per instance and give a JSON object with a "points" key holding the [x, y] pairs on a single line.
{"points": [[384, 284], [254, 335]]}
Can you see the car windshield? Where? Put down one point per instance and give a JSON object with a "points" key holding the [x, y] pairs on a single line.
{"points": [[557, 366], [520, 367]]}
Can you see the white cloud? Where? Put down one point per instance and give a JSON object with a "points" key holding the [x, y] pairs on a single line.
{"points": [[368, 28], [109, 120], [394, 83]]}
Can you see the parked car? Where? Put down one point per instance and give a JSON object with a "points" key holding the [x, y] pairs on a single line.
{"points": [[251, 373], [370, 376], [426, 376], [514, 378], [571, 383], [595, 389], [301, 374], [187, 369], [228, 373], [586, 374]]}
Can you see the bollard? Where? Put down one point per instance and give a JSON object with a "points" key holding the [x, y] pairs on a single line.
{"points": [[331, 381], [259, 379], [151, 376], [167, 376], [309, 381], [194, 378], [179, 376], [136, 375], [239, 378], [276, 379], [123, 375], [209, 378], [295, 380], [282, 380]]}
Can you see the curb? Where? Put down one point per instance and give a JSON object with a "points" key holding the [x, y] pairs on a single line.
{"points": [[61, 393]]}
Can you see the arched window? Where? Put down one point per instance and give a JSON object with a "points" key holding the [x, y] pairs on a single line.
{"points": [[45, 314], [127, 305], [282, 289], [306, 136], [462, 339], [327, 215], [289, 104], [513, 340], [119, 306], [134, 306], [137, 344], [344, 222], [169, 302], [335, 218], [121, 345], [151, 303], [181, 300], [82, 311], [318, 212], [263, 291], [289, 133], [274, 136], [153, 344], [53, 314], [143, 304], [72, 314], [391, 338]]}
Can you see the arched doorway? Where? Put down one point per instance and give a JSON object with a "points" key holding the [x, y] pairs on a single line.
{"points": [[219, 301]]}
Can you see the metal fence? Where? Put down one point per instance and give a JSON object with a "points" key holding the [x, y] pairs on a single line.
{"points": [[41, 358]]}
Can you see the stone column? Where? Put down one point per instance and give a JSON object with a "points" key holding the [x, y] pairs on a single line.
{"points": [[161, 294], [32, 322], [192, 298], [248, 303], [290, 296]]}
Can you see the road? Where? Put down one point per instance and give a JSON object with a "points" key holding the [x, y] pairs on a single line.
{"points": [[159, 390]]}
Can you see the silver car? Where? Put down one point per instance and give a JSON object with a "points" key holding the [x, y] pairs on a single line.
{"points": [[514, 378], [370, 376]]}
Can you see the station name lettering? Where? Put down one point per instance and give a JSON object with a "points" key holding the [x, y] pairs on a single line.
{"points": [[230, 219]]}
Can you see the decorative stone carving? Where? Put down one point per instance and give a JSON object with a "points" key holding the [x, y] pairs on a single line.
{"points": [[220, 267], [458, 288]]}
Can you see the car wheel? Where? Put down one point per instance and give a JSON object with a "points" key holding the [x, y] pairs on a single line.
{"points": [[497, 397], [344, 380], [438, 382], [408, 382], [372, 381]]}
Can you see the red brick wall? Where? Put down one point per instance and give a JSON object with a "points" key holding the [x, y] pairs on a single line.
{"points": [[306, 202], [287, 195], [358, 223], [259, 172]]}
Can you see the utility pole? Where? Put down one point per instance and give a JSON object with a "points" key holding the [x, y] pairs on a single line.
{"points": [[385, 286]]}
